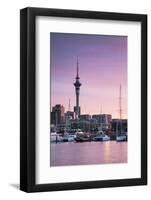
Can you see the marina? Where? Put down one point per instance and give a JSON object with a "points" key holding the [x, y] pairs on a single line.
{"points": [[85, 137]]}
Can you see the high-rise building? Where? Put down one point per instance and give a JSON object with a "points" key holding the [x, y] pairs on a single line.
{"points": [[57, 114], [77, 85]]}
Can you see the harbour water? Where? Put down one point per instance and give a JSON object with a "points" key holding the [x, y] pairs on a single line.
{"points": [[74, 153]]}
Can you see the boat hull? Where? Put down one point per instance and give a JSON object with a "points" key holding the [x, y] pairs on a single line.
{"points": [[68, 139], [82, 139], [56, 138], [121, 138], [102, 139]]}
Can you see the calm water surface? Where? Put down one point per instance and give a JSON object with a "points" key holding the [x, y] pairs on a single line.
{"points": [[72, 153]]}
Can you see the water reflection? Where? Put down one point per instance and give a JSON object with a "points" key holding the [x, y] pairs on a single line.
{"points": [[73, 153]]}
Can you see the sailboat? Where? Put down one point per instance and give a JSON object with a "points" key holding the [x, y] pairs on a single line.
{"points": [[121, 136]]}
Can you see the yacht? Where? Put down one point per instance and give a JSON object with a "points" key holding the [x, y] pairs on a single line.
{"points": [[101, 136], [54, 137], [121, 138], [67, 137], [82, 137]]}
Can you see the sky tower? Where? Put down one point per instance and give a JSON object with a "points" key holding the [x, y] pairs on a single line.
{"points": [[77, 85]]}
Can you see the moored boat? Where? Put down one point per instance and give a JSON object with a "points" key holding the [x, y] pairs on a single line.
{"points": [[68, 137], [82, 137], [55, 137], [101, 136], [121, 138]]}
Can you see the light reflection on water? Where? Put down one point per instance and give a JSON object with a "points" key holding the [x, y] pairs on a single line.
{"points": [[72, 153]]}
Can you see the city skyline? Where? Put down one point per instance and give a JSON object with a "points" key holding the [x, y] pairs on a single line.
{"points": [[102, 68]]}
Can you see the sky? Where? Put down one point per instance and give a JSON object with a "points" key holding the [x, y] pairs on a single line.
{"points": [[102, 68]]}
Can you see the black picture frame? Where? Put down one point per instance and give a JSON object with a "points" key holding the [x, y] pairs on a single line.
{"points": [[28, 99]]}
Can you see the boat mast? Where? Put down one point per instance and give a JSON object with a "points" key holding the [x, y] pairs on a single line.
{"points": [[119, 121], [101, 117], [120, 108]]}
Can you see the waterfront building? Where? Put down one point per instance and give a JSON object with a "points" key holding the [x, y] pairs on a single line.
{"points": [[97, 117], [57, 114], [84, 125], [103, 120], [85, 117], [53, 118], [106, 118], [77, 85]]}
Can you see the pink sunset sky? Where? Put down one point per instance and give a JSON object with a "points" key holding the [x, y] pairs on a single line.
{"points": [[102, 68]]}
